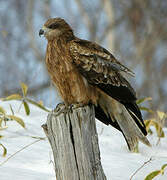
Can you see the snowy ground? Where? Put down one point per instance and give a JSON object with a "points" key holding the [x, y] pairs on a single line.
{"points": [[35, 162]]}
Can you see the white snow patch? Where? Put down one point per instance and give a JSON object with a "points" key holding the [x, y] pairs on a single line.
{"points": [[35, 162]]}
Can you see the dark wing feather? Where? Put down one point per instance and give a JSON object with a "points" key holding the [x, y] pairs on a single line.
{"points": [[100, 114], [102, 70]]}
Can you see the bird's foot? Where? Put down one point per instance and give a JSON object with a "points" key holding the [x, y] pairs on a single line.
{"points": [[61, 108], [76, 105]]}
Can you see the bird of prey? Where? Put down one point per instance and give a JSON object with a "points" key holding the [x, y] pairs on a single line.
{"points": [[84, 73]]}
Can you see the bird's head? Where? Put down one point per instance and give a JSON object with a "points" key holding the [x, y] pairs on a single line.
{"points": [[54, 28]]}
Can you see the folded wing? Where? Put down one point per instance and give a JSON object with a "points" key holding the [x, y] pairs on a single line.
{"points": [[103, 71]]}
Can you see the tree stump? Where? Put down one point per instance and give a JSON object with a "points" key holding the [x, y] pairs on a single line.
{"points": [[74, 141]]}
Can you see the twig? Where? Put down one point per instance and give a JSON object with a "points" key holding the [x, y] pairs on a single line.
{"points": [[30, 30], [84, 14], [140, 168], [20, 151], [31, 91], [111, 26]]}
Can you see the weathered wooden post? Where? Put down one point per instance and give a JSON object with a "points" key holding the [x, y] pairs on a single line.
{"points": [[74, 141]]}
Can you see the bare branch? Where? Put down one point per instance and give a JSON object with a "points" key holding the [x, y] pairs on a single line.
{"points": [[31, 91], [85, 15], [20, 151], [33, 43], [140, 168], [46, 8]]}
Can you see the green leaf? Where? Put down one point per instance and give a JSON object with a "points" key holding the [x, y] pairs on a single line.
{"points": [[159, 129], [2, 110], [153, 122], [145, 109], [139, 101], [26, 107], [1, 119], [4, 150], [12, 97], [161, 115], [24, 89], [17, 119], [37, 104], [152, 175], [147, 124], [163, 168]]}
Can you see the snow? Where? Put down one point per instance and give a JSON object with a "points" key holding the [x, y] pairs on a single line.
{"points": [[36, 161]]}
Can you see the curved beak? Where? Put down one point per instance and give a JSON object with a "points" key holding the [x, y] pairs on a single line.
{"points": [[41, 32]]}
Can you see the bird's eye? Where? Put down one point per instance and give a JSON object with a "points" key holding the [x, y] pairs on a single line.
{"points": [[53, 26]]}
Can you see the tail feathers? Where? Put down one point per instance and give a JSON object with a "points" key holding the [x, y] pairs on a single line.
{"points": [[125, 120], [132, 142], [135, 113], [131, 130]]}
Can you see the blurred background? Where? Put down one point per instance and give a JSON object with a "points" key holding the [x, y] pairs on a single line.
{"points": [[134, 31]]}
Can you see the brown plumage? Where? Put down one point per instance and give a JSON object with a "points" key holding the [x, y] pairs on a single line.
{"points": [[85, 72]]}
